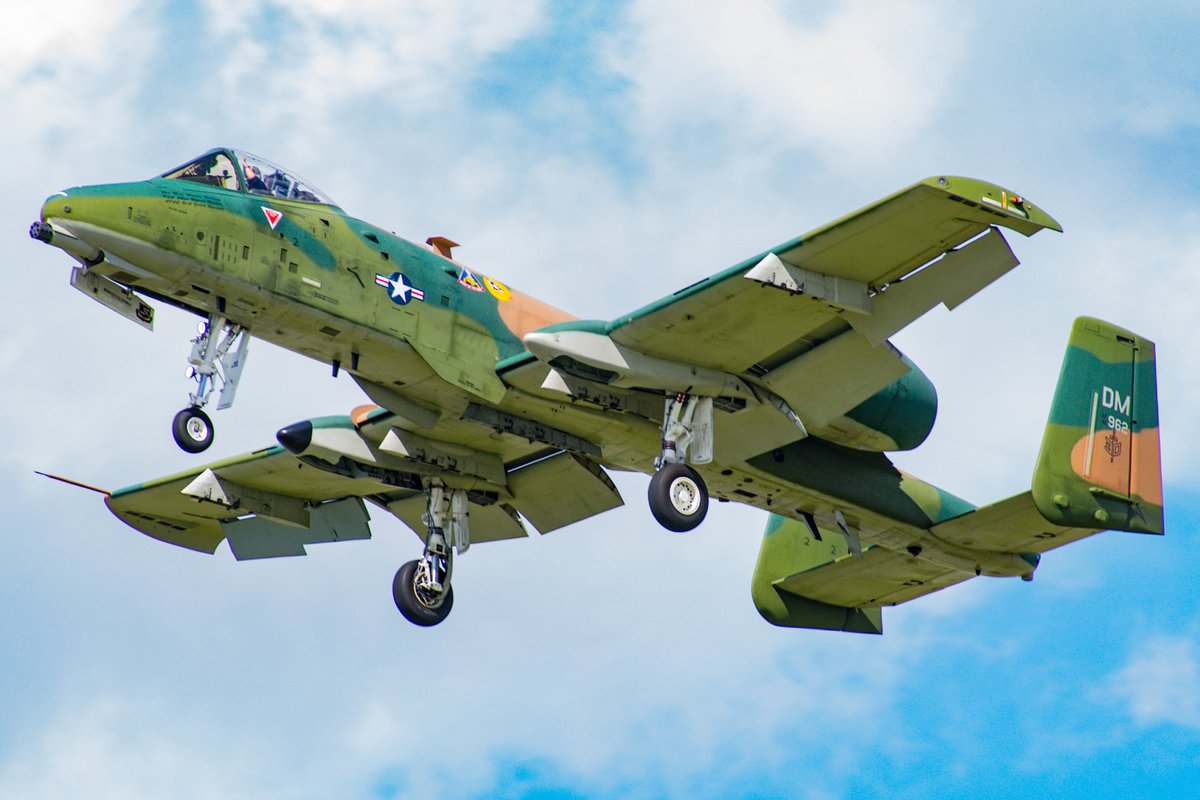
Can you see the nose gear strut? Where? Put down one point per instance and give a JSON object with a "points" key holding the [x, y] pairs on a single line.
{"points": [[213, 360]]}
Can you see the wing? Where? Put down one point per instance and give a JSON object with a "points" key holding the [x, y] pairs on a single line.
{"points": [[272, 502], [837, 293], [199, 508]]}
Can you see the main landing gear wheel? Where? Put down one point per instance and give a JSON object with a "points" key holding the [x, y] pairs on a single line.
{"points": [[416, 601], [678, 497], [193, 430]]}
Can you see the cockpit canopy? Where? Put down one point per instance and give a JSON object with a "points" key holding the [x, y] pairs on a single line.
{"points": [[239, 171]]}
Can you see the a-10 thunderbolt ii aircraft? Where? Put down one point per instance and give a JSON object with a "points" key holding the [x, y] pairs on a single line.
{"points": [[771, 383]]}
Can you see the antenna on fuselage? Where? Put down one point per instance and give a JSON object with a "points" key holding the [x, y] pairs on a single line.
{"points": [[442, 246]]}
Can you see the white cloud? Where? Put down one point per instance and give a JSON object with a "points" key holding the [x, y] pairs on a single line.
{"points": [[114, 748], [58, 73], [857, 83], [64, 38], [1161, 682], [299, 62]]}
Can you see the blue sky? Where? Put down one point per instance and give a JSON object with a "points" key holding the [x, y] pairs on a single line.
{"points": [[598, 155]]}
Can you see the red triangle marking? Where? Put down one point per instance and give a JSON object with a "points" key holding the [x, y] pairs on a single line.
{"points": [[273, 216]]}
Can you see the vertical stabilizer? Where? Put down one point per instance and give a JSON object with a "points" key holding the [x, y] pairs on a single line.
{"points": [[1099, 466]]}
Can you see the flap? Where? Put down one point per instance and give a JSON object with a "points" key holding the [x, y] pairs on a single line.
{"points": [[827, 381], [562, 489], [490, 523], [261, 537], [950, 280]]}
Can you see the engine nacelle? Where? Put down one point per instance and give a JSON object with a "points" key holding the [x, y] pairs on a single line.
{"points": [[900, 415]]}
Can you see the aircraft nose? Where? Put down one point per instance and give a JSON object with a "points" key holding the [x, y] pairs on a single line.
{"points": [[57, 206], [55, 229]]}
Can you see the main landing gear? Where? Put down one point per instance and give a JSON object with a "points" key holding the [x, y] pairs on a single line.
{"points": [[213, 359], [421, 588], [677, 494]]}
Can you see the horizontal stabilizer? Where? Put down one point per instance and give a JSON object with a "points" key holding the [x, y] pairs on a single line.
{"points": [[792, 611], [1010, 526], [808, 578]]}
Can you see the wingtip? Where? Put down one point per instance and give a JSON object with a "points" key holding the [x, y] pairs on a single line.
{"points": [[1016, 212]]}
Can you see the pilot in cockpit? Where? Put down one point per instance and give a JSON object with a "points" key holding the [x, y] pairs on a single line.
{"points": [[254, 181]]}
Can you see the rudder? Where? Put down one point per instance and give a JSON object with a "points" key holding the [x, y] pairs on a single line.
{"points": [[1099, 464]]}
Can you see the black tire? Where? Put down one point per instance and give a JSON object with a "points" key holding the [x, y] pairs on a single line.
{"points": [[678, 497], [415, 611], [193, 430]]}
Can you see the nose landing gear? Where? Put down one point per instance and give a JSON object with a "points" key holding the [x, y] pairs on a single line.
{"points": [[192, 429], [213, 359]]}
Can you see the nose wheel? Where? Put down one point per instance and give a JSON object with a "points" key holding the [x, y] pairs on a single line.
{"points": [[192, 429]]}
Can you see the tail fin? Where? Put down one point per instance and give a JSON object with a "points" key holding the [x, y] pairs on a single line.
{"points": [[1099, 466]]}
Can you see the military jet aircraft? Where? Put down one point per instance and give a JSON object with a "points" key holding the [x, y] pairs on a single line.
{"points": [[771, 383]]}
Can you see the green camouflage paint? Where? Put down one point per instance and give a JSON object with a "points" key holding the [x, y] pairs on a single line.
{"points": [[1099, 465]]}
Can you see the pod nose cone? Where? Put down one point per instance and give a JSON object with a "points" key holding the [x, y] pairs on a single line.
{"points": [[296, 437]]}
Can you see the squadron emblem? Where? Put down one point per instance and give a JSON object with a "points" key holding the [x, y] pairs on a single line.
{"points": [[497, 289], [469, 280]]}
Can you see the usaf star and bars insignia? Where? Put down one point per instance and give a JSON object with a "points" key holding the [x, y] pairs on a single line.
{"points": [[399, 289]]}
